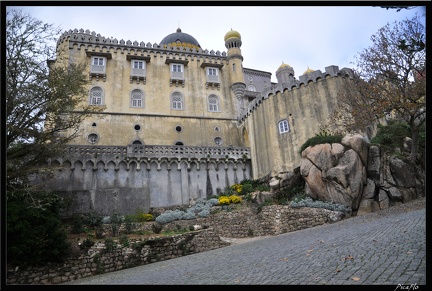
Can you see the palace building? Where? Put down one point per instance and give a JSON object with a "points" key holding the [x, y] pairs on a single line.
{"points": [[178, 122]]}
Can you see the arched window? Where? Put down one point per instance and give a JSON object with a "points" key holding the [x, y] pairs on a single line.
{"points": [[137, 98], [96, 96], [177, 101], [137, 142], [213, 103], [251, 88], [283, 126]]}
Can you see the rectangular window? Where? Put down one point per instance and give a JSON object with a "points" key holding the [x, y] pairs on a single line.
{"points": [[283, 126], [137, 103], [138, 64], [177, 68], [97, 61], [138, 68], [212, 75], [98, 65], [177, 72], [212, 71]]}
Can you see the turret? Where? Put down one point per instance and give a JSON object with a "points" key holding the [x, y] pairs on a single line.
{"points": [[285, 74], [235, 64]]}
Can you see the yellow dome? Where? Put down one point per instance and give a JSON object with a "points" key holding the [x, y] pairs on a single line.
{"points": [[232, 33], [284, 66], [308, 71]]}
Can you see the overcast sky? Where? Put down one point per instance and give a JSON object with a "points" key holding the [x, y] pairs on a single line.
{"points": [[300, 36]]}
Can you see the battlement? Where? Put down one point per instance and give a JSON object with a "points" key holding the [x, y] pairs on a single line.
{"points": [[304, 80], [91, 40], [101, 156]]}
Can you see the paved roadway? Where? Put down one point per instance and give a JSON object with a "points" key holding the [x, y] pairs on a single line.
{"points": [[381, 248]]}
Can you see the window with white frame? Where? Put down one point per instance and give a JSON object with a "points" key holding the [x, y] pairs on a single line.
{"points": [[96, 96], [176, 101], [251, 88], [213, 103], [138, 68], [212, 75], [177, 68], [283, 126], [98, 65], [137, 98], [177, 71]]}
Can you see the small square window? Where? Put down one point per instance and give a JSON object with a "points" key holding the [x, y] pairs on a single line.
{"points": [[283, 126]]}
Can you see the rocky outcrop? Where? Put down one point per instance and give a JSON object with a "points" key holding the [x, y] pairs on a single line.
{"points": [[354, 173]]}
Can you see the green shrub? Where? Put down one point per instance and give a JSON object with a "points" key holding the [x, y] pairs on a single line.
{"points": [[109, 244], [287, 194], [254, 183], [35, 236], [157, 227], [322, 137], [115, 220], [228, 191], [124, 240], [93, 219], [77, 224], [393, 135], [140, 217], [128, 223], [263, 188], [247, 188], [99, 232], [86, 244]]}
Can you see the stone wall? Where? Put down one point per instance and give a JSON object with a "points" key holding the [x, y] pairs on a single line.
{"points": [[306, 107], [139, 177], [240, 223]]}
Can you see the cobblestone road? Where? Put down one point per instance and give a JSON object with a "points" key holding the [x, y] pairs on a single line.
{"points": [[387, 247]]}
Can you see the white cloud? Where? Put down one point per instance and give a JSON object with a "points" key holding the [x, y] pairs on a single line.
{"points": [[302, 37]]}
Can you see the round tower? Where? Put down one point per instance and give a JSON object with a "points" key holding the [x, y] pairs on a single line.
{"points": [[235, 67], [285, 74]]}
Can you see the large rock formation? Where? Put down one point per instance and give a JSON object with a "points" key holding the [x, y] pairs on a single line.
{"points": [[354, 174]]}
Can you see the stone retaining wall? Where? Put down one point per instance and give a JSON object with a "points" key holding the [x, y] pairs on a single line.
{"points": [[243, 222]]}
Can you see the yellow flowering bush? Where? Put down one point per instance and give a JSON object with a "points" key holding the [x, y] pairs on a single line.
{"points": [[141, 217], [224, 200], [237, 187], [235, 199]]}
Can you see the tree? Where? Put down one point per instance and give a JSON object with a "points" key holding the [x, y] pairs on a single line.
{"points": [[389, 82], [41, 96]]}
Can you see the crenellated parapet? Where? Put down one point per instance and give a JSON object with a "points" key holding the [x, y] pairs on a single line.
{"points": [[304, 80], [95, 42], [143, 156]]}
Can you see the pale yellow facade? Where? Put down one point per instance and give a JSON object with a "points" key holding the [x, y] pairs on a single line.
{"points": [[176, 93]]}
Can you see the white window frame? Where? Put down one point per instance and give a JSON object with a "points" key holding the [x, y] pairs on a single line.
{"points": [[177, 71], [98, 65], [212, 74], [178, 68], [96, 100], [212, 71], [283, 126], [138, 68], [137, 102], [251, 88], [213, 106], [177, 104]]}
